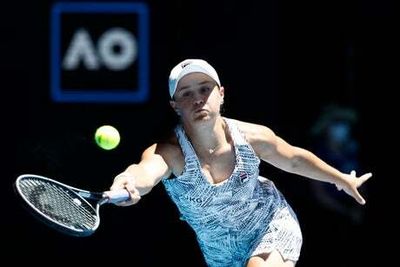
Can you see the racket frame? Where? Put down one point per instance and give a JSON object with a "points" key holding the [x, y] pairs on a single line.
{"points": [[80, 194]]}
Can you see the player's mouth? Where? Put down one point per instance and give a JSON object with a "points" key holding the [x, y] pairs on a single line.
{"points": [[200, 110]]}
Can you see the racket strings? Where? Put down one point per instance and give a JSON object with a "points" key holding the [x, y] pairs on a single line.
{"points": [[59, 203]]}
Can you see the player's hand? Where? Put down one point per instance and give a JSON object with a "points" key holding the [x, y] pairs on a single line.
{"points": [[352, 183], [126, 181]]}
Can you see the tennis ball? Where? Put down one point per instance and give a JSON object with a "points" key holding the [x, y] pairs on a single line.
{"points": [[107, 137]]}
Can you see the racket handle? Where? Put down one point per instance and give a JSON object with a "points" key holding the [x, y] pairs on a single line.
{"points": [[116, 196]]}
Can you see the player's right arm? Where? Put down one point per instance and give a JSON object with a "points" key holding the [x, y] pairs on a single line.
{"points": [[140, 178]]}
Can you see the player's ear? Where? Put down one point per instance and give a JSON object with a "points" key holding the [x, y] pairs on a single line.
{"points": [[222, 91], [174, 106], [172, 103]]}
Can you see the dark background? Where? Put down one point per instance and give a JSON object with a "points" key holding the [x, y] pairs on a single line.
{"points": [[281, 62]]}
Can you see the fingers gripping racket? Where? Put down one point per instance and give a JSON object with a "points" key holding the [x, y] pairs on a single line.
{"points": [[63, 207]]}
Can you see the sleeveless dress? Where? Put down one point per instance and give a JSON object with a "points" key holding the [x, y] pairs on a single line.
{"points": [[244, 215]]}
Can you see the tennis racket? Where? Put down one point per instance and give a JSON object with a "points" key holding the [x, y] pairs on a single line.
{"points": [[63, 207]]}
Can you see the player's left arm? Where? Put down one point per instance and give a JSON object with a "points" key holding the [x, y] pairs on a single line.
{"points": [[276, 151]]}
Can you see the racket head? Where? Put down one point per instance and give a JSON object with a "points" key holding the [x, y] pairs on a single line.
{"points": [[57, 205]]}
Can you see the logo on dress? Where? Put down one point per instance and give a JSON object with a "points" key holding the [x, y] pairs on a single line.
{"points": [[243, 177], [193, 199]]}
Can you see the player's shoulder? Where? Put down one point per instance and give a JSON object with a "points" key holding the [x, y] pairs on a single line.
{"points": [[169, 146], [253, 132], [171, 152], [250, 127]]}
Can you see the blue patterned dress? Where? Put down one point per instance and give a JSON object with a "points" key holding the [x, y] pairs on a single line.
{"points": [[243, 216]]}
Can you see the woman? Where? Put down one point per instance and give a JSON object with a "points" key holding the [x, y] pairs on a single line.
{"points": [[210, 169]]}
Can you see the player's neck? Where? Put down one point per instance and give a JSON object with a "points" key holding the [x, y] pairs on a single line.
{"points": [[209, 137]]}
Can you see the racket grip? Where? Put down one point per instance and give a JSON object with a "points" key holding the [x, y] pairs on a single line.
{"points": [[116, 196]]}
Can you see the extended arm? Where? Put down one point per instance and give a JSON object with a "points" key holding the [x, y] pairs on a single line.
{"points": [[279, 153], [140, 178]]}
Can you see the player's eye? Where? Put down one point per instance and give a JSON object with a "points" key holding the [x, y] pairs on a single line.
{"points": [[205, 89], [186, 94]]}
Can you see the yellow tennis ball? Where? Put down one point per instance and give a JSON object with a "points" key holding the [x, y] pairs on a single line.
{"points": [[107, 137]]}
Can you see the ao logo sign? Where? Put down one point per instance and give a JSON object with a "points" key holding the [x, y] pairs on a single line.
{"points": [[82, 49], [99, 52]]}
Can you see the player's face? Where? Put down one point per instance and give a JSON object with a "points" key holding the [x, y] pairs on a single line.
{"points": [[197, 96]]}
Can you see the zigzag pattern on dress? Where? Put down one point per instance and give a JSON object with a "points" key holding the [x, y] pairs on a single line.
{"points": [[243, 210]]}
